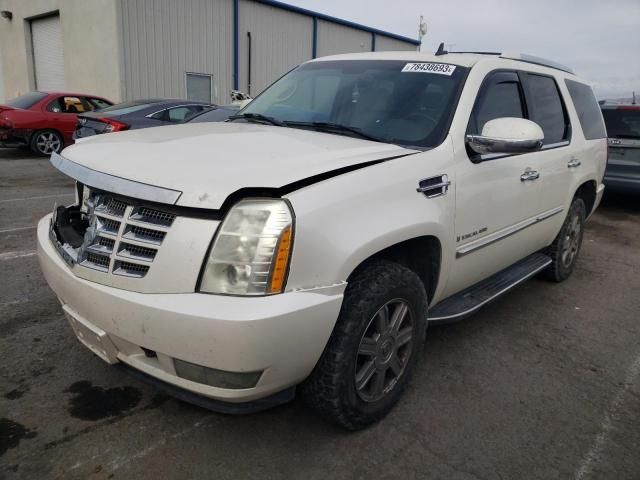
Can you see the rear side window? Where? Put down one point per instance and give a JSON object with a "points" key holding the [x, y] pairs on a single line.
{"points": [[546, 108], [27, 100], [499, 97], [588, 109]]}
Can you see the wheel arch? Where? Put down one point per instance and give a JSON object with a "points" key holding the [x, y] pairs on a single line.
{"points": [[587, 191], [422, 255]]}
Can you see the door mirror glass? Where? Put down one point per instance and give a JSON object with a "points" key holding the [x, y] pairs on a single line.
{"points": [[507, 135]]}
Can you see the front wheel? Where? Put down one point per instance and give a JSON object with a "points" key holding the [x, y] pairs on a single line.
{"points": [[46, 142], [373, 349], [565, 248]]}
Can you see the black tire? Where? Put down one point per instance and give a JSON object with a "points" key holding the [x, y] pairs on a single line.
{"points": [[331, 388], [46, 142], [565, 248]]}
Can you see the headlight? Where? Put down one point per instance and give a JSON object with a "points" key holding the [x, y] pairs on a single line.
{"points": [[250, 254]]}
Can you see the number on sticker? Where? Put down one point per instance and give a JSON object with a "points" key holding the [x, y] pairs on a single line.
{"points": [[439, 68]]}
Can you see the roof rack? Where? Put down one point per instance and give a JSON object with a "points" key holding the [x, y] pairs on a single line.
{"points": [[479, 53], [523, 57]]}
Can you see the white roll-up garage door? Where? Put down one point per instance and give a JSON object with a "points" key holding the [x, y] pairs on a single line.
{"points": [[48, 59]]}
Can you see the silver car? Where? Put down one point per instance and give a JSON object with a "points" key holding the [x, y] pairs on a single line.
{"points": [[623, 132]]}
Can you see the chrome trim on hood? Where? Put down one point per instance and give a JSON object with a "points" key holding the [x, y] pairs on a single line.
{"points": [[113, 184]]}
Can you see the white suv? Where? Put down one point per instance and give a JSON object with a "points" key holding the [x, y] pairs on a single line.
{"points": [[310, 240]]}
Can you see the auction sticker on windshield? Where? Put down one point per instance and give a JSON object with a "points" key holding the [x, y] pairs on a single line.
{"points": [[439, 68]]}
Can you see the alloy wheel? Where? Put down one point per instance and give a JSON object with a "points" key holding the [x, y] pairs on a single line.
{"points": [[571, 242], [384, 350], [48, 143]]}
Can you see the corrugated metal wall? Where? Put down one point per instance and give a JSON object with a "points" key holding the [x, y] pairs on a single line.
{"points": [[163, 39], [280, 40], [386, 44], [334, 38]]}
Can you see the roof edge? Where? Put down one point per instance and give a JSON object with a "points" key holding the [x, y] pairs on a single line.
{"points": [[340, 21]]}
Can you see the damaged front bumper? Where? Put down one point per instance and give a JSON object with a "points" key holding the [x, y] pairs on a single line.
{"points": [[281, 337]]}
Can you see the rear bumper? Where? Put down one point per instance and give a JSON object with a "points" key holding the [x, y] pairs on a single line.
{"points": [[14, 138], [281, 336], [621, 183]]}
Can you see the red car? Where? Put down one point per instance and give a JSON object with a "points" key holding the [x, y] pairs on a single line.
{"points": [[44, 121]]}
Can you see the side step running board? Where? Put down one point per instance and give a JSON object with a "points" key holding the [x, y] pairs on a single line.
{"points": [[471, 299]]}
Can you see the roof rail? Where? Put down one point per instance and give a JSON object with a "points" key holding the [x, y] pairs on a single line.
{"points": [[479, 53], [523, 57]]}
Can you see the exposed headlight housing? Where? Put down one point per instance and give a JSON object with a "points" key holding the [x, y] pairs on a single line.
{"points": [[250, 254]]}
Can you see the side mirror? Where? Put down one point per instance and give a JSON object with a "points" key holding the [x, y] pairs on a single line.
{"points": [[507, 135]]}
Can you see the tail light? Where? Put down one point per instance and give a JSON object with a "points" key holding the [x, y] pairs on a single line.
{"points": [[114, 125]]}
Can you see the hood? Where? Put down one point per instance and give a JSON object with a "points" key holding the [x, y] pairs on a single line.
{"points": [[207, 162]]}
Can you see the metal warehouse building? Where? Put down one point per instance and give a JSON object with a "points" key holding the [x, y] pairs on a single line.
{"points": [[198, 49]]}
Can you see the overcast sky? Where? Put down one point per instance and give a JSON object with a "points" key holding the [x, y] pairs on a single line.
{"points": [[599, 39]]}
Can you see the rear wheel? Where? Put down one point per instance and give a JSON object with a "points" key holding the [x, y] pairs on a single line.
{"points": [[46, 142], [373, 349], [565, 248]]}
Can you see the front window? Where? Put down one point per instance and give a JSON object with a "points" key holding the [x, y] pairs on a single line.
{"points": [[385, 100]]}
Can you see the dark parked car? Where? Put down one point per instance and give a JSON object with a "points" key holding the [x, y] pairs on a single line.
{"points": [[44, 121], [623, 131], [215, 114], [137, 114]]}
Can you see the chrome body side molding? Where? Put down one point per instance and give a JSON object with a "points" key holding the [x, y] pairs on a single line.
{"points": [[113, 184], [494, 237]]}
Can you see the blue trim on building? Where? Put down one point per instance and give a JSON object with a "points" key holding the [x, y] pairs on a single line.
{"points": [[236, 34], [321, 16], [373, 41], [314, 39]]}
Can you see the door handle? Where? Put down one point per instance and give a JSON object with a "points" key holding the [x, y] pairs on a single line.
{"points": [[574, 162], [529, 175]]}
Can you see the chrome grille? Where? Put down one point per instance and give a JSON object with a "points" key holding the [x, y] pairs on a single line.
{"points": [[111, 206], [129, 269], [129, 235], [144, 234], [149, 215], [96, 261], [135, 251], [107, 225]]}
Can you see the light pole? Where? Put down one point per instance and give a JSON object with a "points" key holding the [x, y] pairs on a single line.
{"points": [[422, 31]]}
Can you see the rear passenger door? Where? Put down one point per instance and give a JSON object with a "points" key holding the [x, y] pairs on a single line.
{"points": [[547, 108]]}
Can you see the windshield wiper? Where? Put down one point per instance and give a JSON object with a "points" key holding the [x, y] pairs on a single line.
{"points": [[259, 117], [334, 128]]}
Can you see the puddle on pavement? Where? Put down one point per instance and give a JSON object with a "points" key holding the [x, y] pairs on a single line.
{"points": [[11, 433], [94, 403]]}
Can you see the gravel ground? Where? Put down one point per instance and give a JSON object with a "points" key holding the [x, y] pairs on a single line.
{"points": [[544, 383]]}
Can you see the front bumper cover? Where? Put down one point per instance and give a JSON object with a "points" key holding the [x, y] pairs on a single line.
{"points": [[281, 335]]}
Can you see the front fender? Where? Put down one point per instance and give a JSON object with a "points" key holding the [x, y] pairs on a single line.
{"points": [[343, 221]]}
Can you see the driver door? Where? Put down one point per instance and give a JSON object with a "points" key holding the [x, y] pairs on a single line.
{"points": [[493, 199]]}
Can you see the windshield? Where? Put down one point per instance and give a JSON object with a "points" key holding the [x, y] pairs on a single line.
{"points": [[622, 122], [27, 100], [214, 115], [390, 101]]}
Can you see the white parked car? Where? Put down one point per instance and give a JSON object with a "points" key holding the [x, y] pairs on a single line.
{"points": [[309, 241]]}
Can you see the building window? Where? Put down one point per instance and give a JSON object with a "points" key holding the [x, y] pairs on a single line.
{"points": [[199, 86]]}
